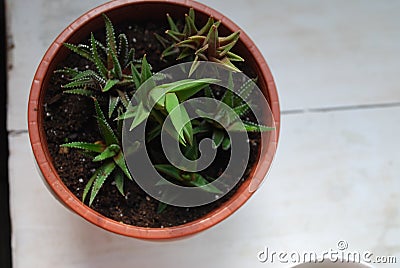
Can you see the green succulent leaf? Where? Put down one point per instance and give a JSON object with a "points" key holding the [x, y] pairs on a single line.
{"points": [[97, 60], [104, 171], [201, 129], [105, 129], [191, 27], [233, 57], [161, 207], [234, 37], [130, 112], [80, 51], [186, 88], [92, 147], [169, 171], [135, 76], [81, 83], [171, 23], [191, 152], [140, 115], [218, 137], [194, 66], [124, 98], [89, 184], [228, 95], [80, 91], [192, 14], [206, 28], [249, 127], [208, 93], [119, 181], [161, 39], [123, 50], [146, 71], [242, 109], [226, 143], [246, 89], [68, 71], [192, 179], [252, 127], [117, 70], [179, 116], [109, 152], [171, 50], [112, 104], [213, 41], [185, 53], [120, 161], [110, 84], [175, 35], [199, 181]]}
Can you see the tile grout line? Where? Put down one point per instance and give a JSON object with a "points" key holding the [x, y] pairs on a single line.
{"points": [[341, 108], [17, 132]]}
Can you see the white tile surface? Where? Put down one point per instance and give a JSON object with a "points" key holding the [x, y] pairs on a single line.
{"points": [[334, 53], [325, 53], [335, 175]]}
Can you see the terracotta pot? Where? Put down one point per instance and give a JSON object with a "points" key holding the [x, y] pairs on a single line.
{"points": [[156, 10]]}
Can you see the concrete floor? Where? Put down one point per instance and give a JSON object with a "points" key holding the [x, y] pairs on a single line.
{"points": [[336, 172]]}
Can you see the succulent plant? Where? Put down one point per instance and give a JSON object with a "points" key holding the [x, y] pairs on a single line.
{"points": [[108, 152], [112, 62], [239, 105], [200, 43], [166, 98]]}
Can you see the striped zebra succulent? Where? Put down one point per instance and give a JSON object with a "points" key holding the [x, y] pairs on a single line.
{"points": [[108, 152], [115, 69]]}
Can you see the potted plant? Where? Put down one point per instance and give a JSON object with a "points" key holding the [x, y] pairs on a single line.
{"points": [[105, 93]]}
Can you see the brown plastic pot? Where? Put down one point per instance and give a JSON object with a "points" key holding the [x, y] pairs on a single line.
{"points": [[155, 10]]}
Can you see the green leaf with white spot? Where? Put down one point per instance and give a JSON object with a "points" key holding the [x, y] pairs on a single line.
{"points": [[97, 60], [120, 161], [92, 147], [104, 171], [218, 137], [80, 91], [119, 181], [105, 129], [110, 84], [80, 51], [109, 152]]}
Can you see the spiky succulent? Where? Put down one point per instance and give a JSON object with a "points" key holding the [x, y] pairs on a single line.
{"points": [[108, 152], [166, 97], [240, 107], [111, 61], [200, 43]]}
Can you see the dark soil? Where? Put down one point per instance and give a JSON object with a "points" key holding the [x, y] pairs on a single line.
{"points": [[70, 118]]}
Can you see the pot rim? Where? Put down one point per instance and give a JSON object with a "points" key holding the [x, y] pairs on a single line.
{"points": [[44, 161]]}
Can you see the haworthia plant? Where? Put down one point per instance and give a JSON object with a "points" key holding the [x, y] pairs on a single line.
{"points": [[108, 152], [200, 43]]}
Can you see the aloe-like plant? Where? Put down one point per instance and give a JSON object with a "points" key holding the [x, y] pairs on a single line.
{"points": [[112, 62], [239, 104], [198, 43], [167, 97], [109, 152]]}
